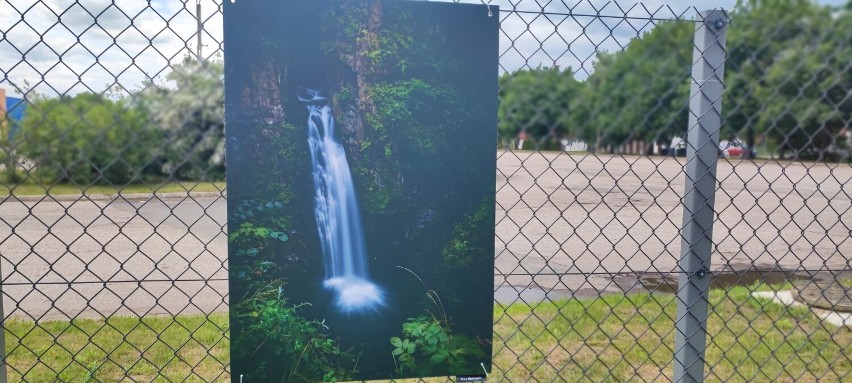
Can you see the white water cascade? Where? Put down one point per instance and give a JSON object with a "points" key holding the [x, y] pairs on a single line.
{"points": [[337, 214]]}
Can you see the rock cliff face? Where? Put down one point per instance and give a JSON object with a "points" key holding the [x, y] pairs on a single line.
{"points": [[262, 101]]}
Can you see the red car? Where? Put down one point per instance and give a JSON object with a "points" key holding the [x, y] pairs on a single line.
{"points": [[733, 149]]}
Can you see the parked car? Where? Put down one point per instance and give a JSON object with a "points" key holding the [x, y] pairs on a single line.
{"points": [[732, 149]]}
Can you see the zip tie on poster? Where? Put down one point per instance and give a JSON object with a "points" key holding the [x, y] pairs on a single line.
{"points": [[483, 369], [488, 5]]}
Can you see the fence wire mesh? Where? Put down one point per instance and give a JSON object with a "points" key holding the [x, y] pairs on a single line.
{"points": [[113, 235]]}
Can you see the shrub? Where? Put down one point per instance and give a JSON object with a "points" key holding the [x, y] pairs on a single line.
{"points": [[86, 139]]}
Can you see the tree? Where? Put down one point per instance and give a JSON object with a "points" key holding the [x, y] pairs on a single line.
{"points": [[86, 139], [640, 93], [805, 93], [761, 32], [7, 156], [786, 81], [539, 103], [190, 115]]}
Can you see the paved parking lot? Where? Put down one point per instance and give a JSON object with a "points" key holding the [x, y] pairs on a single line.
{"points": [[137, 244], [566, 225], [583, 218]]}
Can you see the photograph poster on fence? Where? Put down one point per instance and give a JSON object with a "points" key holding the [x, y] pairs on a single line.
{"points": [[361, 146]]}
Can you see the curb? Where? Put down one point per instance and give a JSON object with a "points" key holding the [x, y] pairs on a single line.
{"points": [[110, 197]]}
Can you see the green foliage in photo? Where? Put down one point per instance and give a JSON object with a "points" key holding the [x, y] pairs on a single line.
{"points": [[406, 127], [460, 253], [411, 107], [259, 232], [282, 346], [402, 110], [428, 345]]}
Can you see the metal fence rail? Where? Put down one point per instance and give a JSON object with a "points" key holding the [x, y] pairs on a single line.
{"points": [[667, 177]]}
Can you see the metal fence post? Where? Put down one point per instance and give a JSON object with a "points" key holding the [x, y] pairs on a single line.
{"points": [[2, 339], [705, 115], [4, 127]]}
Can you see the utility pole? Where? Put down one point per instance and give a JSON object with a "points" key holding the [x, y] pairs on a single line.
{"points": [[200, 29]]}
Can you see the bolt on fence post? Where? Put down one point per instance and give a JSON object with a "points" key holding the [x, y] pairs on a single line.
{"points": [[705, 117]]}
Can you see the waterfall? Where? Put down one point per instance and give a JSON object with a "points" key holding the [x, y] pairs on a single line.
{"points": [[338, 217]]}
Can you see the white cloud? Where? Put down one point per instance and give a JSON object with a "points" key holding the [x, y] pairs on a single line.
{"points": [[65, 46], [572, 32], [69, 46]]}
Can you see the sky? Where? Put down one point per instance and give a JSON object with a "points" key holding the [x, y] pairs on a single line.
{"points": [[72, 46], [67, 46]]}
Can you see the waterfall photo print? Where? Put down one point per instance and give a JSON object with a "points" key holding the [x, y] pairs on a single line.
{"points": [[361, 162]]}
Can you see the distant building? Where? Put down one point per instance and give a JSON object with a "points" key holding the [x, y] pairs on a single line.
{"points": [[3, 119], [12, 108]]}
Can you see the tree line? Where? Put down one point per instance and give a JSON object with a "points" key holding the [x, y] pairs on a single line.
{"points": [[788, 89], [788, 84], [161, 132]]}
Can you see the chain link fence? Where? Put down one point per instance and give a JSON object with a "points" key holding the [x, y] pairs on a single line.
{"points": [[662, 174]]}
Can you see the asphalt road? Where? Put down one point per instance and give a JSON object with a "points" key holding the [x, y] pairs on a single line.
{"points": [[566, 225]]}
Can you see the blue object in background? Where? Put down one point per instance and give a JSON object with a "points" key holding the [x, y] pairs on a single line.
{"points": [[15, 108]]}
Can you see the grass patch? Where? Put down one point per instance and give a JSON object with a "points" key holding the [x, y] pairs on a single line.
{"points": [[620, 338], [614, 338], [67, 189], [190, 348]]}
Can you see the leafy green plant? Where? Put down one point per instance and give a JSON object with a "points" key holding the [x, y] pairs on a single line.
{"points": [[428, 343], [276, 344], [249, 229], [260, 236]]}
